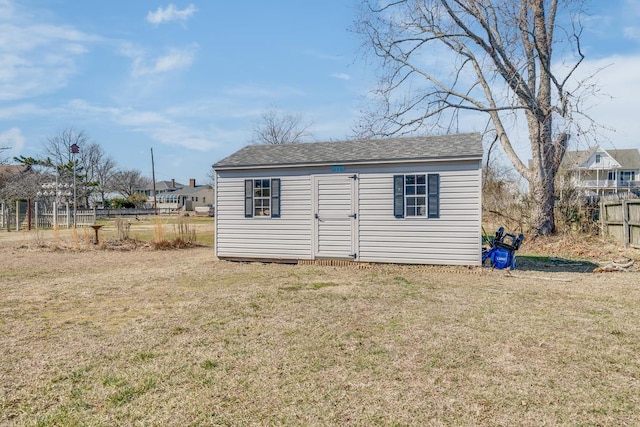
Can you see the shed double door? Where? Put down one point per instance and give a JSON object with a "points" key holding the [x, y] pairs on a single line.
{"points": [[335, 216]]}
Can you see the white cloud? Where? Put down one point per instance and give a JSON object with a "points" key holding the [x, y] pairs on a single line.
{"points": [[6, 8], [159, 126], [341, 76], [266, 93], [36, 58], [616, 108], [170, 13], [18, 111], [320, 55], [632, 33], [12, 139], [175, 59]]}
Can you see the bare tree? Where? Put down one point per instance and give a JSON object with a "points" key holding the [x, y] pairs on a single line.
{"points": [[129, 182], [211, 177], [93, 169], [24, 182], [441, 58], [502, 201], [58, 146], [103, 177], [4, 160], [276, 127]]}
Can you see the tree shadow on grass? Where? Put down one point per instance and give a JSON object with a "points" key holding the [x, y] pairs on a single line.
{"points": [[553, 264]]}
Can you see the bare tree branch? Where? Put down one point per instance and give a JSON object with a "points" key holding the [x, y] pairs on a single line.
{"points": [[128, 182], [441, 57], [276, 127]]}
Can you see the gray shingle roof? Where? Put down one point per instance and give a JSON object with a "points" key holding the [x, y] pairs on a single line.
{"points": [[629, 158], [357, 151]]}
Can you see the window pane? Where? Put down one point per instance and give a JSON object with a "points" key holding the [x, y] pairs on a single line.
{"points": [[410, 179], [411, 190], [421, 189], [422, 179]]}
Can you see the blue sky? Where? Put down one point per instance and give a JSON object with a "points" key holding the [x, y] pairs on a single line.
{"points": [[188, 78]]}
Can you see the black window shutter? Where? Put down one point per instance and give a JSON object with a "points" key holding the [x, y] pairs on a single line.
{"points": [[398, 196], [275, 198], [248, 198], [433, 190]]}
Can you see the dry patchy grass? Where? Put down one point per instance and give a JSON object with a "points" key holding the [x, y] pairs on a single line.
{"points": [[144, 337]]}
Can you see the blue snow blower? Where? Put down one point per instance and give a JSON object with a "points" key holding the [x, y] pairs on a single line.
{"points": [[502, 249]]}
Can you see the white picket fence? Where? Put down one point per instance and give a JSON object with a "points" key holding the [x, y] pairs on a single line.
{"points": [[38, 217]]}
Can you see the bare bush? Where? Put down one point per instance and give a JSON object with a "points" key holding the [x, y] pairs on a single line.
{"points": [[502, 199], [123, 228]]}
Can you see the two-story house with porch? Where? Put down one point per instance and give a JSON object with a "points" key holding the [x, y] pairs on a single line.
{"points": [[600, 172]]}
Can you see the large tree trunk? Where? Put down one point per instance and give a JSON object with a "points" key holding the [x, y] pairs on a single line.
{"points": [[542, 193]]}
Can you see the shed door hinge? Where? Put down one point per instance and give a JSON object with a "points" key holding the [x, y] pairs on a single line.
{"points": [[354, 216], [354, 176], [354, 256]]}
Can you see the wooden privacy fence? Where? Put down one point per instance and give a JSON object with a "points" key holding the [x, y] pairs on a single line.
{"points": [[621, 220]]}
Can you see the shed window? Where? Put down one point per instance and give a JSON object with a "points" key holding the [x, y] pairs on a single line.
{"points": [[262, 198], [416, 195]]}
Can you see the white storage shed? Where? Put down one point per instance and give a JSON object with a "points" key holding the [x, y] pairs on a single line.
{"points": [[399, 200]]}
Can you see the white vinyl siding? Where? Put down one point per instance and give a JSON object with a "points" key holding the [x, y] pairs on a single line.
{"points": [[287, 237], [606, 161], [453, 238]]}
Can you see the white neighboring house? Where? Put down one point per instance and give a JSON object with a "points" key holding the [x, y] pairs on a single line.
{"points": [[400, 200], [600, 172], [172, 196]]}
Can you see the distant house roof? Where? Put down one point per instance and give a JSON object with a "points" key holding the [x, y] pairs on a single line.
{"points": [[168, 185], [357, 151], [627, 158], [185, 191]]}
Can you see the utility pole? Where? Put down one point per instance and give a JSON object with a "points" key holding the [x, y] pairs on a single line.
{"points": [[153, 179], [74, 150]]}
